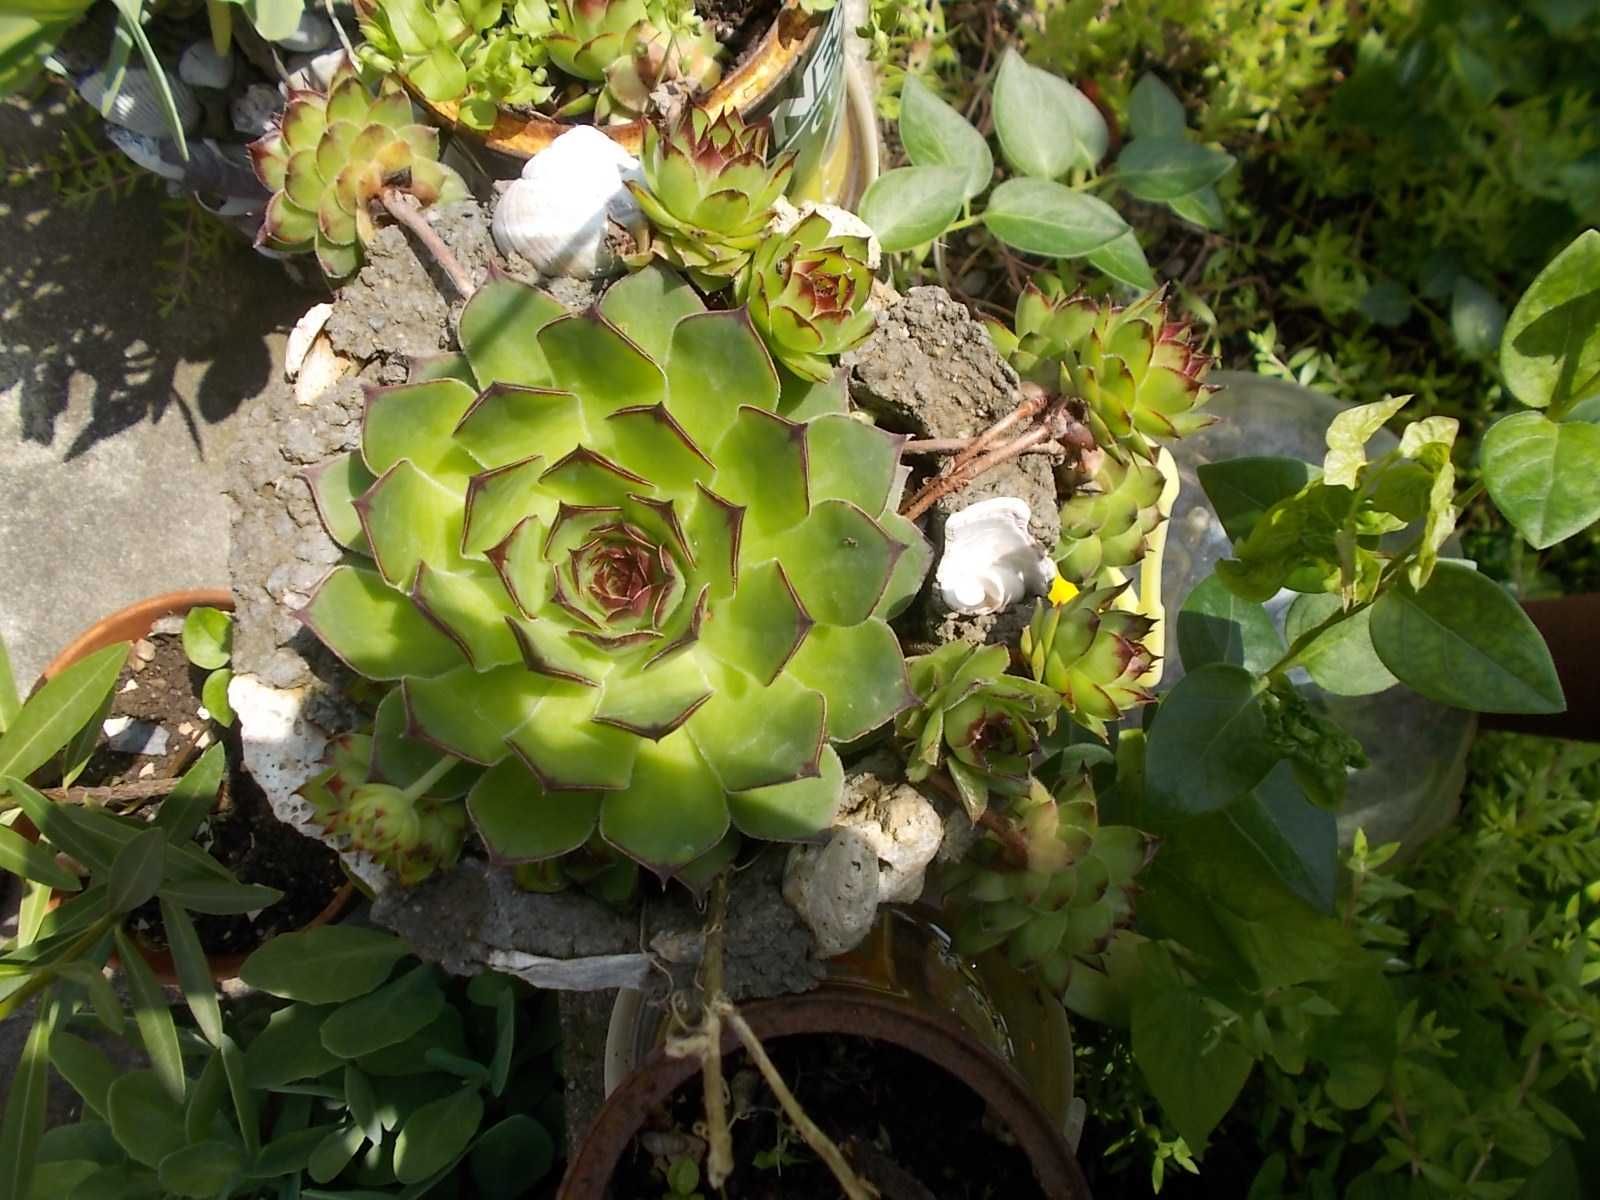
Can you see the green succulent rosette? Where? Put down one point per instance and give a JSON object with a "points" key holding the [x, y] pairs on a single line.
{"points": [[1066, 902], [975, 720], [1138, 370], [608, 557], [1106, 522], [1092, 654], [708, 192], [631, 47], [807, 291], [652, 56], [330, 156]]}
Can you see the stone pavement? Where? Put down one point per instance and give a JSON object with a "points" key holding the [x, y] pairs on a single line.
{"points": [[115, 423]]}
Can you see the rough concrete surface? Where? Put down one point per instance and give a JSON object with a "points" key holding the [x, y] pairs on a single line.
{"points": [[115, 423]]}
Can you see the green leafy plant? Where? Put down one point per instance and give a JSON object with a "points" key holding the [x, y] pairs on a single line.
{"points": [[807, 292], [208, 644], [1048, 131], [335, 155], [683, 1180], [617, 559], [376, 1075]]}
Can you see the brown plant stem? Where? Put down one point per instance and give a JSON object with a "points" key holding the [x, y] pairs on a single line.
{"points": [[1012, 844], [1034, 401], [99, 797], [958, 477], [956, 445], [398, 205]]}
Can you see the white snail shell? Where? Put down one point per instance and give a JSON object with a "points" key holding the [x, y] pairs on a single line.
{"points": [[202, 66], [990, 559], [556, 215], [137, 104]]}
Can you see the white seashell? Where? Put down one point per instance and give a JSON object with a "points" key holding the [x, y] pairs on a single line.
{"points": [[785, 216], [302, 335], [202, 66], [255, 108], [556, 215], [323, 367], [990, 559], [147, 152], [314, 72], [137, 104], [314, 32]]}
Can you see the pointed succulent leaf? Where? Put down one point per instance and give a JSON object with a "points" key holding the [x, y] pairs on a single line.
{"points": [[375, 630], [860, 671], [521, 822], [793, 811], [498, 355], [335, 485]]}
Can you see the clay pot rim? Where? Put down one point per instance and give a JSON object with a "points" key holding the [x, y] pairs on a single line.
{"points": [[129, 624], [844, 1010], [746, 86]]}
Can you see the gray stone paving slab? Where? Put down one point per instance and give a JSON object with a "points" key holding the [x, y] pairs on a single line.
{"points": [[115, 423]]}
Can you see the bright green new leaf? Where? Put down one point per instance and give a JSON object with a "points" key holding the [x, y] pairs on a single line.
{"points": [[214, 696], [323, 965], [1208, 747], [910, 206], [1341, 659], [1550, 353], [208, 637], [1169, 168], [1464, 641], [51, 717], [1241, 490], [1543, 475], [1042, 217], [1348, 435], [935, 135]]}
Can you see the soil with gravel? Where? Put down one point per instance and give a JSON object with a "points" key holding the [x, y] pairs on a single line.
{"points": [[909, 1128], [159, 686]]}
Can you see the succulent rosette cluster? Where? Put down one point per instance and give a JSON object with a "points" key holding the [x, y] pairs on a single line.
{"points": [[632, 47], [1107, 521], [709, 192], [976, 721], [807, 290], [1066, 902], [1092, 653], [609, 558], [1139, 371], [329, 158]]}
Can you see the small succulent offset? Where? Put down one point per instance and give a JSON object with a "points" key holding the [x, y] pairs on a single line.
{"points": [[975, 720], [632, 47], [483, 54], [807, 290], [1109, 518], [331, 157], [621, 566], [1138, 370], [709, 191], [1066, 901], [1092, 653]]}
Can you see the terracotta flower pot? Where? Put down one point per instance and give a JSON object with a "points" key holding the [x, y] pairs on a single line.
{"points": [[991, 1027], [130, 624]]}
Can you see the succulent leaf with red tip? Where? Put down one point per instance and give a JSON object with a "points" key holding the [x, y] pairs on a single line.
{"points": [[1106, 522], [807, 291], [975, 720], [1092, 654], [330, 156], [709, 191], [626, 571], [1140, 372]]}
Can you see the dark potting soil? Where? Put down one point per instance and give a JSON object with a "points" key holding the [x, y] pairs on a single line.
{"points": [[908, 1126], [739, 25], [159, 686]]}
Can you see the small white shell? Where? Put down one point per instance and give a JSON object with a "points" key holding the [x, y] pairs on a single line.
{"points": [[137, 104], [314, 72], [785, 216], [556, 215], [202, 66], [990, 559], [313, 33], [322, 368], [254, 108], [302, 335]]}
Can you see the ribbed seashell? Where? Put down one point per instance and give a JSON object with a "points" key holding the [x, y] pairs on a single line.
{"points": [[320, 370], [556, 215], [990, 560], [202, 66], [137, 104], [304, 333], [314, 32]]}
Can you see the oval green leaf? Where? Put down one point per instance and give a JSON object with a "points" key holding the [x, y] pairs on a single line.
{"points": [[387, 1016], [1046, 125], [910, 206], [936, 135], [1550, 354], [510, 1157], [208, 637], [1041, 217], [1123, 259], [202, 1170], [1544, 476], [1208, 746], [1341, 660], [1154, 111], [1463, 641], [1169, 168], [324, 965], [436, 1135], [1215, 626]]}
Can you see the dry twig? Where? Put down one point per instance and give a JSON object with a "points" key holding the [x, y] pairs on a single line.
{"points": [[399, 206]]}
